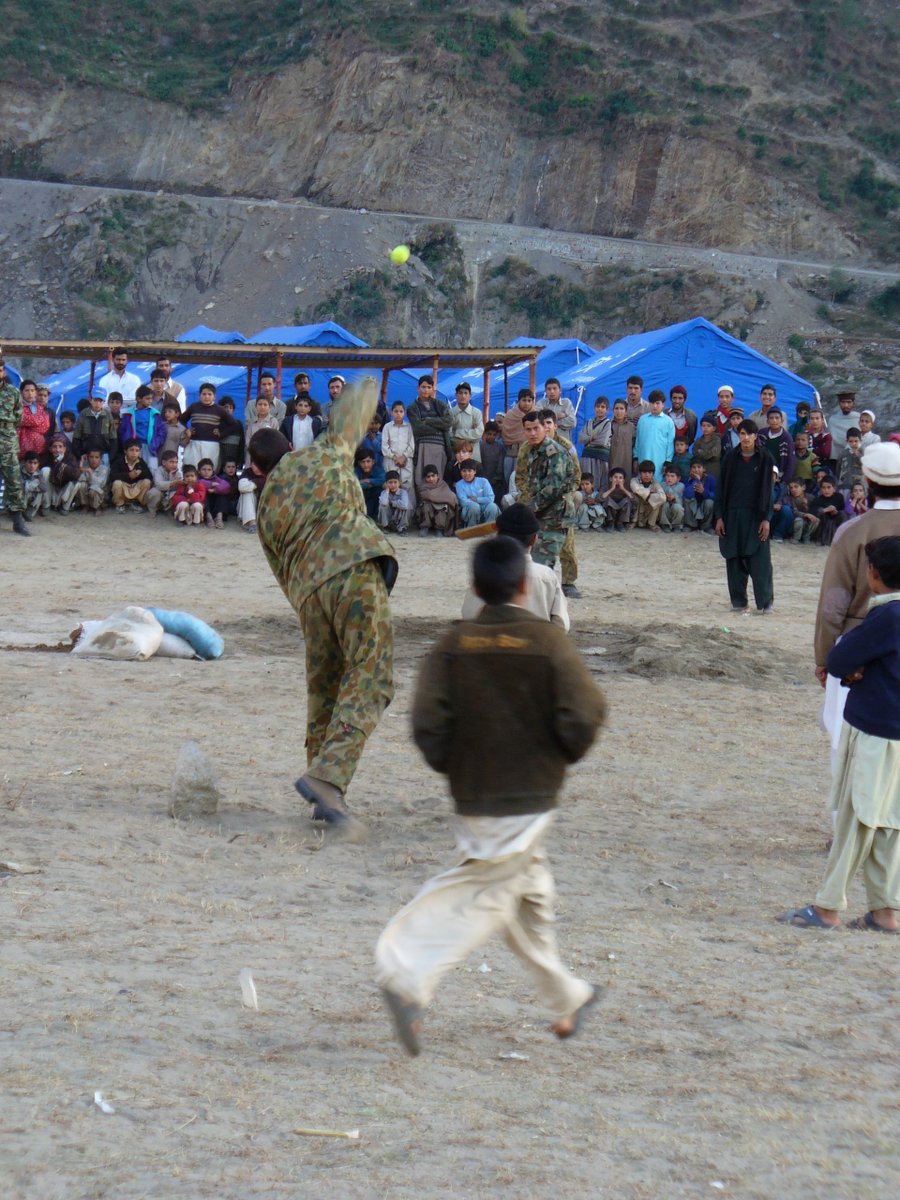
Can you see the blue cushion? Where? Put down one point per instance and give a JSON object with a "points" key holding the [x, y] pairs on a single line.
{"points": [[201, 636]]}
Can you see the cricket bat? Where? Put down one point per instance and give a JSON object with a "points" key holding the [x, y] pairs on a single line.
{"points": [[474, 531]]}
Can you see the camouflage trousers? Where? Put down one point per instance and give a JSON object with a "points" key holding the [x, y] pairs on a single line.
{"points": [[13, 496], [349, 669], [549, 546]]}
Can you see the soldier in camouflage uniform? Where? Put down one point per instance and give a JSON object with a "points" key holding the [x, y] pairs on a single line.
{"points": [[564, 550], [547, 476], [333, 564], [10, 416]]}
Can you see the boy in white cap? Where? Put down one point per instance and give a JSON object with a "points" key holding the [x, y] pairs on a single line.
{"points": [[867, 429]]}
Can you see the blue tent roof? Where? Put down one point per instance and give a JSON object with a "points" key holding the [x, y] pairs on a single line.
{"points": [[557, 356], [696, 354], [326, 333], [203, 333]]}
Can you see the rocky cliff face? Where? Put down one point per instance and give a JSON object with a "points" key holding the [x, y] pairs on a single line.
{"points": [[366, 130]]}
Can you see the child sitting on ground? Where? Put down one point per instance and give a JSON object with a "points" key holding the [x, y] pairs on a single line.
{"points": [[699, 499], [595, 437], [475, 496], [223, 502], [856, 503], [437, 508], [618, 502], [781, 525], [649, 497], [865, 793], [130, 478], [62, 477], [672, 515], [34, 486], [166, 478], [589, 511], [393, 504], [805, 522], [828, 506], [462, 452], [189, 498], [215, 485], [90, 491], [371, 479], [250, 485]]}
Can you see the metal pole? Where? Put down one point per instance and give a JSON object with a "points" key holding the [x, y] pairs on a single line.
{"points": [[532, 377], [384, 386], [278, 364], [486, 400], [91, 380]]}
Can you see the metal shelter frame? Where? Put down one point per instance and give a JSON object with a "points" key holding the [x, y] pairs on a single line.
{"points": [[282, 357]]}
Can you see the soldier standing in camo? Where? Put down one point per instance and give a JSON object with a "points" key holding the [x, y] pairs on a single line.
{"points": [[335, 567], [10, 416], [550, 476]]}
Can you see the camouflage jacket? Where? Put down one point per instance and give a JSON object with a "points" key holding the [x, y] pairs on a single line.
{"points": [[547, 477], [10, 405], [311, 517]]}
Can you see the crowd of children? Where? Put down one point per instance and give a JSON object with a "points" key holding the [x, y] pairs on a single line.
{"points": [[644, 464]]}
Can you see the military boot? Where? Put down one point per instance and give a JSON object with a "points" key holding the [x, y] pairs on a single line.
{"points": [[19, 525]]}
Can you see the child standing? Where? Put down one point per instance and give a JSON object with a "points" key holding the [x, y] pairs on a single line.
{"points": [[805, 522], [865, 793], [850, 462], [393, 505], [595, 437], [371, 479], [504, 774], [708, 447], [398, 446], [493, 454], [263, 420], [621, 441], [681, 459]]}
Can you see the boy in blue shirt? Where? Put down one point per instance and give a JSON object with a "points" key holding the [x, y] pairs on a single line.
{"points": [[475, 495], [865, 792]]}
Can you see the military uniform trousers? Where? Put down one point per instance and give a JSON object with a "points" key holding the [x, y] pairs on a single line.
{"points": [[349, 638], [14, 498]]}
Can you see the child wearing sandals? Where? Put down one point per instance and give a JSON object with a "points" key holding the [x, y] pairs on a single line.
{"points": [[505, 764], [865, 792]]}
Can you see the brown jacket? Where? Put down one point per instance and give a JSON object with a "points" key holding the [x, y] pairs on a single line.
{"points": [[844, 597], [503, 703]]}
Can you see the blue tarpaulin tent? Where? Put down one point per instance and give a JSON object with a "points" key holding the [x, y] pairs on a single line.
{"points": [[558, 356], [696, 354]]}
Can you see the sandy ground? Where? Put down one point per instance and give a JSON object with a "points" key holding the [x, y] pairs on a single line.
{"points": [[731, 1056]]}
